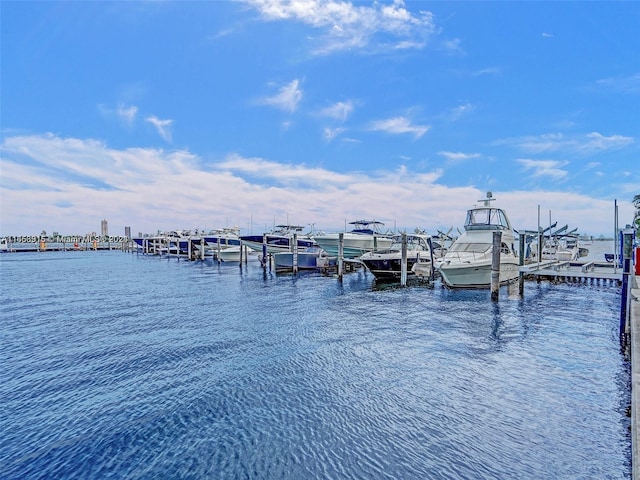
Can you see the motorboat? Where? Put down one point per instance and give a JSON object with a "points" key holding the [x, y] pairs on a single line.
{"points": [[364, 237], [387, 264], [468, 261], [307, 259], [279, 239], [222, 237]]}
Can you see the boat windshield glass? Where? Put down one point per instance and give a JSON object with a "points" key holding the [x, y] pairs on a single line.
{"points": [[470, 247], [486, 216], [413, 243]]}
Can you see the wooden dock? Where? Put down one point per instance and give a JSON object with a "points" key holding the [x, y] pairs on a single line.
{"points": [[574, 271]]}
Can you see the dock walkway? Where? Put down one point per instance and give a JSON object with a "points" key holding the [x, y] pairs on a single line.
{"points": [[572, 270]]}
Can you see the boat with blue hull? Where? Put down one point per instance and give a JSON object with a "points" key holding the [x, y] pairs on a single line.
{"points": [[280, 239]]}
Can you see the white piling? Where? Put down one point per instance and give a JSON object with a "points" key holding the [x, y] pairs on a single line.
{"points": [[403, 261], [294, 253], [340, 255], [495, 265]]}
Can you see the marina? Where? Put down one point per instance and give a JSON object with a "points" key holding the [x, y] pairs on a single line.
{"points": [[201, 336], [178, 368]]}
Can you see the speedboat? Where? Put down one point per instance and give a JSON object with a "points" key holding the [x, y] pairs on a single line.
{"points": [[307, 259], [387, 264], [279, 239], [224, 244], [468, 261], [364, 237], [223, 237]]}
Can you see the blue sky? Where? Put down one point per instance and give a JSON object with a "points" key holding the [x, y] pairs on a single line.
{"points": [[181, 115]]}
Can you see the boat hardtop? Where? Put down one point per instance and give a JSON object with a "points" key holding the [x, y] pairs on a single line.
{"points": [[367, 227], [487, 217]]}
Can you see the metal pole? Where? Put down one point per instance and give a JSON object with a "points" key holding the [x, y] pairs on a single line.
{"points": [[495, 265]]}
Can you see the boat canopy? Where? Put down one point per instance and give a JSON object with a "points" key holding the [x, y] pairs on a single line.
{"points": [[487, 218]]}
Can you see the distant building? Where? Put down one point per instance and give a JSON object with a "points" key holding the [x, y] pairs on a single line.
{"points": [[127, 232], [104, 228]]}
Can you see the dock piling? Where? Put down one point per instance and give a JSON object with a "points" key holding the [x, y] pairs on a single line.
{"points": [[495, 265], [403, 261], [340, 255]]}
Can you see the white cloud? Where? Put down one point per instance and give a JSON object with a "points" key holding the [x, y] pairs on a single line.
{"points": [[579, 144], [399, 125], [345, 25], [459, 156], [627, 84], [49, 182], [596, 142], [127, 114], [487, 71], [162, 126], [331, 133], [287, 98], [338, 111], [544, 168], [460, 111], [452, 47]]}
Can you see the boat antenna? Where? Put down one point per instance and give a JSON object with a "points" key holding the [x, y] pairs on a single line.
{"points": [[487, 201]]}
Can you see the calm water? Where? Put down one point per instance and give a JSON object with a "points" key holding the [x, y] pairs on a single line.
{"points": [[123, 366]]}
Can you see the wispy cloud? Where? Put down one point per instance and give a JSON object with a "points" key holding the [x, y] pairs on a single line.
{"points": [[399, 125], [282, 173], [544, 168], [460, 111], [162, 126], [331, 133], [127, 113], [579, 144], [597, 142], [547, 35], [486, 71], [459, 156], [452, 47], [287, 98], [338, 111], [628, 84], [347, 26]]}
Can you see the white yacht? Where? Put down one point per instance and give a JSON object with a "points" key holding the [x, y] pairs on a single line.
{"points": [[365, 237], [468, 261]]}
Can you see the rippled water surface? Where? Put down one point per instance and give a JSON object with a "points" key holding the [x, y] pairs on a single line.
{"points": [[125, 366]]}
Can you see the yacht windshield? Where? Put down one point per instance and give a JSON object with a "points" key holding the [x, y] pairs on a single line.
{"points": [[413, 243], [470, 247]]}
